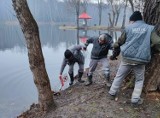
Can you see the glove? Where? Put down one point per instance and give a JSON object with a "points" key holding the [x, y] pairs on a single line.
{"points": [[84, 48], [116, 52], [61, 80], [113, 58]]}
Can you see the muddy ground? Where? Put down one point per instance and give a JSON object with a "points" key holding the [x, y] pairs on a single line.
{"points": [[80, 101]]}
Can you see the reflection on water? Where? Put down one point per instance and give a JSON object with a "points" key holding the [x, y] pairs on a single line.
{"points": [[17, 88]]}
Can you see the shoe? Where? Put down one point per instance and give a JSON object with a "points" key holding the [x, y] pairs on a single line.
{"points": [[79, 77], [109, 84], [89, 80], [128, 101], [136, 104], [112, 97], [88, 84], [71, 83], [81, 81]]}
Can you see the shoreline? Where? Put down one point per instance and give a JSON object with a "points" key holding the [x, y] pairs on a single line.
{"points": [[73, 27], [93, 101]]}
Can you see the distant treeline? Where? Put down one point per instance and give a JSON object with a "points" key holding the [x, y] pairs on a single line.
{"points": [[53, 11]]}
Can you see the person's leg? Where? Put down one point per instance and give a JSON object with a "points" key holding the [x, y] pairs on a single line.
{"points": [[71, 74], [80, 72], [139, 71], [92, 68], [106, 70], [121, 74]]}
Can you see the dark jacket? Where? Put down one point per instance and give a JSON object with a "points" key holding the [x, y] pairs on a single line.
{"points": [[99, 51]]}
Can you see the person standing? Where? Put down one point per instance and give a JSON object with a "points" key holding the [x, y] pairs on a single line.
{"points": [[101, 46], [135, 47], [71, 56]]}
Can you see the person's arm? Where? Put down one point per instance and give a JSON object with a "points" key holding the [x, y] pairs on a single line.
{"points": [[64, 63], [90, 40], [121, 40], [116, 46], [78, 47]]}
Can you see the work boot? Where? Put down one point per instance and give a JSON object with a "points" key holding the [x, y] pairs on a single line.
{"points": [[89, 80], [72, 79], [111, 97], [80, 76], [137, 104]]}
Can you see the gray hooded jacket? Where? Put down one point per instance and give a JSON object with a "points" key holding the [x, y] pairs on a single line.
{"points": [[77, 57]]}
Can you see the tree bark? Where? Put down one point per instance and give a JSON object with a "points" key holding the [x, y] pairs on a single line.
{"points": [[100, 11], [31, 32], [132, 5], [77, 19], [152, 16], [124, 16], [152, 12]]}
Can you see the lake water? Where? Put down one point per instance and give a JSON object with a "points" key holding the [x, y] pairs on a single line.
{"points": [[17, 89]]}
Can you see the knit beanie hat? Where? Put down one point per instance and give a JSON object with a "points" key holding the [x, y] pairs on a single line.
{"points": [[68, 54], [135, 16]]}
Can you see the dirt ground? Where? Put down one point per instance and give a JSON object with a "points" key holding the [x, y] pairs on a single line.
{"points": [[80, 101]]}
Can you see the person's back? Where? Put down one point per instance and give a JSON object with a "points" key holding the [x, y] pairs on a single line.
{"points": [[137, 45], [76, 51]]}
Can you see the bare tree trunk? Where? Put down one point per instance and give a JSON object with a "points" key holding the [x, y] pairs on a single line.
{"points": [[117, 12], [100, 16], [117, 17], [152, 16], [132, 5], [151, 12], [124, 16], [152, 82], [114, 15], [84, 5], [77, 19], [100, 11], [36, 60], [110, 20]]}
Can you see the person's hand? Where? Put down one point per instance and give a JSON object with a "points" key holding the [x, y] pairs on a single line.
{"points": [[60, 75], [61, 80], [113, 58], [85, 48]]}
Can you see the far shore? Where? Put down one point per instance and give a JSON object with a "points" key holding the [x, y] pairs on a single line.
{"points": [[73, 27]]}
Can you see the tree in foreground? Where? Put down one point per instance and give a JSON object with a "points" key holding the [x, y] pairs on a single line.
{"points": [[31, 33], [152, 16]]}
